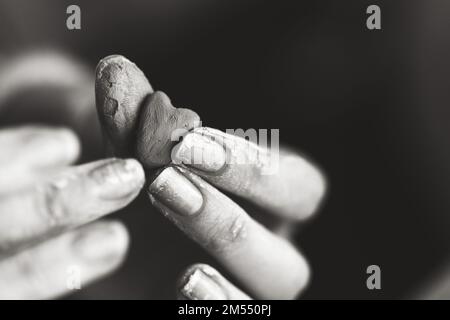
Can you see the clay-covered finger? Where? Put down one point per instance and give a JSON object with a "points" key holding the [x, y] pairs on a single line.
{"points": [[120, 89], [203, 282], [134, 119], [28, 151], [73, 197], [267, 265], [283, 183], [65, 263]]}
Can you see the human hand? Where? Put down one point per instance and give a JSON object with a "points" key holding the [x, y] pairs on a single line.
{"points": [[45, 206], [191, 193]]}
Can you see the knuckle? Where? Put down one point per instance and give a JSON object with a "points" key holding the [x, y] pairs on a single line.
{"points": [[28, 266], [49, 205], [25, 264], [228, 234]]}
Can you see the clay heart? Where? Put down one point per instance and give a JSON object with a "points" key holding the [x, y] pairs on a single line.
{"points": [[161, 127], [135, 120]]}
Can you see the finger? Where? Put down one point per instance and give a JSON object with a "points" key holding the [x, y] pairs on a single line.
{"points": [[58, 265], [26, 78], [120, 89], [202, 282], [285, 184], [48, 86], [28, 151], [269, 266], [75, 197], [123, 94]]}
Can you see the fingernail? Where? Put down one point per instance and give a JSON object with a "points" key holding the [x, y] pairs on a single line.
{"points": [[117, 178], [200, 286], [104, 242], [201, 152], [176, 192]]}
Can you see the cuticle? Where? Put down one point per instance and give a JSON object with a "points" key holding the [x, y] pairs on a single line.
{"points": [[214, 278]]}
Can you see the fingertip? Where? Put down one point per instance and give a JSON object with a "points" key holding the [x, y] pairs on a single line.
{"points": [[71, 142], [177, 192], [202, 282], [117, 77], [120, 89], [184, 276], [102, 243], [109, 61], [136, 167], [122, 237], [322, 187], [43, 146], [315, 187], [114, 180], [200, 152], [303, 278]]}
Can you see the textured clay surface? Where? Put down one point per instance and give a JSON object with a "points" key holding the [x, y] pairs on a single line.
{"points": [[135, 120], [120, 89], [161, 125]]}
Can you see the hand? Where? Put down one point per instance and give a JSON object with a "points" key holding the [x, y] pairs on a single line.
{"points": [[191, 193], [45, 205], [262, 260]]}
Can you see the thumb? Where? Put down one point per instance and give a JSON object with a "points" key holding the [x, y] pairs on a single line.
{"points": [[120, 89]]}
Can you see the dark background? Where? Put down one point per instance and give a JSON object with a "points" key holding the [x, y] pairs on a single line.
{"points": [[369, 107]]}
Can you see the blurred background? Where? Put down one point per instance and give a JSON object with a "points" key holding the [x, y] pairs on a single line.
{"points": [[372, 108]]}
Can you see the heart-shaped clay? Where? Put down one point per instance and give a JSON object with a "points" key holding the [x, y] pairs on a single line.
{"points": [[160, 127], [134, 119]]}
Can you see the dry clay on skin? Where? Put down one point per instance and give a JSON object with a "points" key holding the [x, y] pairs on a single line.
{"points": [[131, 113], [120, 89]]}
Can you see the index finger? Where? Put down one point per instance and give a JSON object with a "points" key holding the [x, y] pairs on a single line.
{"points": [[74, 197], [285, 183], [28, 152]]}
